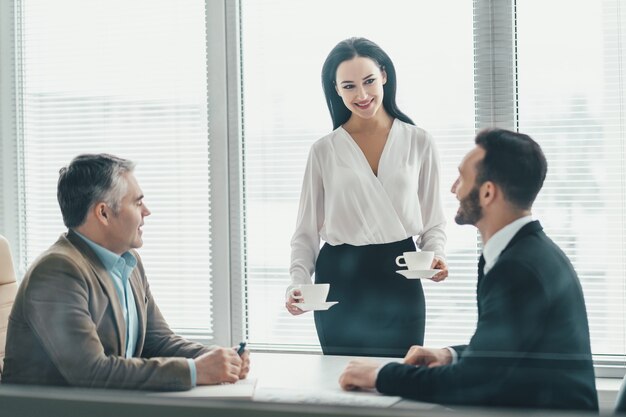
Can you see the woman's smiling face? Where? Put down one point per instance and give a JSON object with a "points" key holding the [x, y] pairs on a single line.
{"points": [[359, 83]]}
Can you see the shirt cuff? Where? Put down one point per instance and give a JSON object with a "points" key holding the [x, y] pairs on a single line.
{"points": [[376, 377], [192, 370], [455, 356]]}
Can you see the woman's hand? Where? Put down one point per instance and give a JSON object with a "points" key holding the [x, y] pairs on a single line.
{"points": [[295, 296], [439, 264]]}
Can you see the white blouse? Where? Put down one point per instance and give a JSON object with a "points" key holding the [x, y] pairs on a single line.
{"points": [[342, 201]]}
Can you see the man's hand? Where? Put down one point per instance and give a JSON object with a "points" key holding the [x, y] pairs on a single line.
{"points": [[245, 363], [219, 365], [421, 356], [359, 374]]}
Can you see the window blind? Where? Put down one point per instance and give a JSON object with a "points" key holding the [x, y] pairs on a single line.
{"points": [[284, 44], [127, 78], [8, 189], [571, 100]]}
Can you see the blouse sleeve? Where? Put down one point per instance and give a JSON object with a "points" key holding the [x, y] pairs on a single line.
{"points": [[433, 237], [305, 243]]}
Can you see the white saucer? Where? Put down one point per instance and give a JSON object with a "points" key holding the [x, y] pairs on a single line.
{"points": [[418, 273], [315, 307]]}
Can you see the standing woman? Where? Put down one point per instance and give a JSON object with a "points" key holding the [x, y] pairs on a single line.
{"points": [[369, 188]]}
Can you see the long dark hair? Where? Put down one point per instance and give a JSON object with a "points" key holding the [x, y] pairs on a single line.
{"points": [[349, 49]]}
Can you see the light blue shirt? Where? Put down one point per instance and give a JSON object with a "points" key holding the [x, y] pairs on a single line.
{"points": [[120, 269]]}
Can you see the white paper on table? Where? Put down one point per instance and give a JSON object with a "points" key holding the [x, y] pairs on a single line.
{"points": [[328, 397], [244, 388]]}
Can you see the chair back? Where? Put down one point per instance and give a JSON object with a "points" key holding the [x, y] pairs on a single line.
{"points": [[8, 290]]}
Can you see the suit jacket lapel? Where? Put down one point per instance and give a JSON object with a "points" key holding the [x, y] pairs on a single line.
{"points": [[528, 229], [106, 283], [140, 303]]}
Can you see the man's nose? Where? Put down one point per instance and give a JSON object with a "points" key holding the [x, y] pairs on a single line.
{"points": [[454, 185]]}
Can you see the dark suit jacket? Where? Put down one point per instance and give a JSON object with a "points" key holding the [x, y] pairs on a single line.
{"points": [[67, 328], [531, 346]]}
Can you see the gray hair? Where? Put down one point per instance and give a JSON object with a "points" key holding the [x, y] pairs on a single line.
{"points": [[89, 179]]}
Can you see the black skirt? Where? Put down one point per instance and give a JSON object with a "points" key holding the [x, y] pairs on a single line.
{"points": [[380, 313]]}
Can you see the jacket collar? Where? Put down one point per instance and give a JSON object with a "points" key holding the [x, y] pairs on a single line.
{"points": [[105, 281], [529, 229]]}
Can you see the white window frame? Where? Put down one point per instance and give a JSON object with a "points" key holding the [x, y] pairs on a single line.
{"points": [[225, 115]]}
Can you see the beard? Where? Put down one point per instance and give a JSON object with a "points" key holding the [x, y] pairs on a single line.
{"points": [[469, 211]]}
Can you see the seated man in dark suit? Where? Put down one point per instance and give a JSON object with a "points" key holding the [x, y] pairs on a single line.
{"points": [[531, 346], [84, 314]]}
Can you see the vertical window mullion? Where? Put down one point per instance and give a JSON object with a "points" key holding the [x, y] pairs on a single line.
{"points": [[236, 153], [495, 74], [223, 81]]}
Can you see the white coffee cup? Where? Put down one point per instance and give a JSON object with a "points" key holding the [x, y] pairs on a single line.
{"points": [[312, 293], [416, 260]]}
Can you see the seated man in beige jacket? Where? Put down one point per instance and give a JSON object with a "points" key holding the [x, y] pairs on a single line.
{"points": [[84, 314]]}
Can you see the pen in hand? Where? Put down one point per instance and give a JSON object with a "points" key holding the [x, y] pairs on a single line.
{"points": [[242, 347]]}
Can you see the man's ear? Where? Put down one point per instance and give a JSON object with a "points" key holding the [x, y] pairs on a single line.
{"points": [[488, 192], [102, 213]]}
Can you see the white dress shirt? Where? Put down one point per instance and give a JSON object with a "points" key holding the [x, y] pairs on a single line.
{"points": [[494, 247], [342, 201]]}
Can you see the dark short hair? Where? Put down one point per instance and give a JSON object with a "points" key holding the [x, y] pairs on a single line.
{"points": [[345, 51], [514, 162], [89, 179]]}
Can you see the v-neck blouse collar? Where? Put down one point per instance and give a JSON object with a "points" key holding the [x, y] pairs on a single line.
{"points": [[362, 157]]}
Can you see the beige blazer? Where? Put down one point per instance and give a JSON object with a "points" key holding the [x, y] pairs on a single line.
{"points": [[67, 328]]}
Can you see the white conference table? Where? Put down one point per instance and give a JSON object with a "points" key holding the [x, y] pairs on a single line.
{"points": [[312, 379], [284, 382], [283, 370]]}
